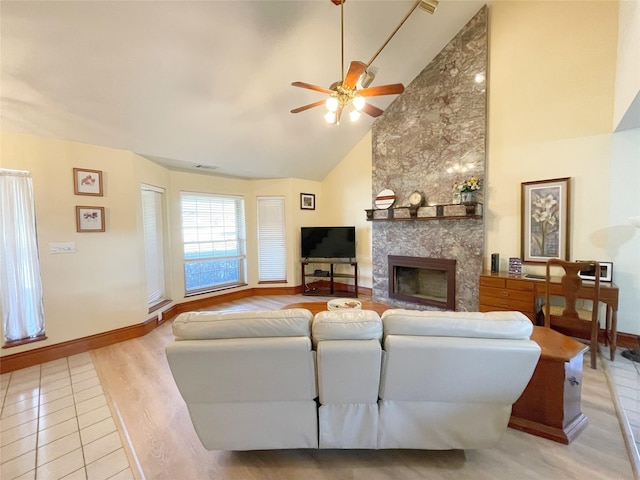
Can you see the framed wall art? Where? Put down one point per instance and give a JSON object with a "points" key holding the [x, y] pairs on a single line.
{"points": [[307, 201], [545, 220], [87, 182], [90, 219]]}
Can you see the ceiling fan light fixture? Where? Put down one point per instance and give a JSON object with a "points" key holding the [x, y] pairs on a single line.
{"points": [[354, 115], [332, 104], [429, 6], [330, 117], [359, 102]]}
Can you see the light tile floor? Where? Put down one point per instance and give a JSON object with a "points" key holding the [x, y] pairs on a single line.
{"points": [[55, 423]]}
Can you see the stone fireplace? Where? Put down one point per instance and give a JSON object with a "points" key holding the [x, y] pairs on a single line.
{"points": [[428, 281], [430, 137]]}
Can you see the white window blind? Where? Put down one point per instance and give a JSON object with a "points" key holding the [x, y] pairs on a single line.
{"points": [[214, 238], [152, 199], [20, 281], [272, 255]]}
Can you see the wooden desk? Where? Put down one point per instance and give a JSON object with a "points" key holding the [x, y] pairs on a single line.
{"points": [[550, 405], [502, 291], [315, 307]]}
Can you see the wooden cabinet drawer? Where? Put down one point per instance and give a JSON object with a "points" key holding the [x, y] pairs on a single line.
{"points": [[525, 306], [492, 282], [523, 285], [506, 294]]}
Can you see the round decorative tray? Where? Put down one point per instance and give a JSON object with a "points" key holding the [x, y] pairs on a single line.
{"points": [[344, 303], [385, 199]]}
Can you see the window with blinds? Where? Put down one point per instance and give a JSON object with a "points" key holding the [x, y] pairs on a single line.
{"points": [[152, 199], [214, 238], [272, 255]]}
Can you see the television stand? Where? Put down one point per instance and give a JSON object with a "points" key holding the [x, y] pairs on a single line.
{"points": [[320, 278]]}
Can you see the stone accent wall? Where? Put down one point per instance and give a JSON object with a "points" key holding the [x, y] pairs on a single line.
{"points": [[430, 137]]}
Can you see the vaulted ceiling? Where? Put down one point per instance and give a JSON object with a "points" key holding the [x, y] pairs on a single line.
{"points": [[207, 82]]}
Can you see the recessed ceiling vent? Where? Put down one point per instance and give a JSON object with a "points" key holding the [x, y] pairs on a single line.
{"points": [[205, 167]]}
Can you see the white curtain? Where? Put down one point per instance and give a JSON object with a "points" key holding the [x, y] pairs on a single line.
{"points": [[20, 282]]}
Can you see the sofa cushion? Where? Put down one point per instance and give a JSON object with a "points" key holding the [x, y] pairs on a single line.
{"points": [[513, 325], [346, 325], [294, 322]]}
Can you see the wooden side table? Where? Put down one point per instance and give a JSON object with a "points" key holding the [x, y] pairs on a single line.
{"points": [[550, 405]]}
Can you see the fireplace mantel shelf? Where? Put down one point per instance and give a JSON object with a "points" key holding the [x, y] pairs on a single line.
{"points": [[449, 211]]}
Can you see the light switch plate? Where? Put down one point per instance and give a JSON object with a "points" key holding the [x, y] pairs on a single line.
{"points": [[66, 247]]}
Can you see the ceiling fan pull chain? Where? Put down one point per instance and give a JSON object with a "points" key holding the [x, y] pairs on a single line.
{"points": [[418, 2]]}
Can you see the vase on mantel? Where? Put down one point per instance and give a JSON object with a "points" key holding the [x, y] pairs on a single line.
{"points": [[468, 197], [456, 198]]}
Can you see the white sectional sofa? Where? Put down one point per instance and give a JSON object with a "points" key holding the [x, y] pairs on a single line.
{"points": [[248, 378], [349, 379], [449, 379]]}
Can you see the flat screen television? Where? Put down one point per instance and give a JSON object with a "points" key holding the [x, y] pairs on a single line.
{"points": [[328, 242]]}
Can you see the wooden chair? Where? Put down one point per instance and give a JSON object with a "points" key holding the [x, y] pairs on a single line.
{"points": [[570, 320]]}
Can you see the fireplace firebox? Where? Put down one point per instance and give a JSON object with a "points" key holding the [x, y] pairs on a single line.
{"points": [[428, 281]]}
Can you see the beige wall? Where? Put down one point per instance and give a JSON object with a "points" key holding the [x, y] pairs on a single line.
{"points": [[628, 59], [101, 286], [551, 99], [551, 80], [346, 193]]}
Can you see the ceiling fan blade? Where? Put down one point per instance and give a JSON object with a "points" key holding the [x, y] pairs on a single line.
{"points": [[391, 89], [371, 110], [356, 69], [312, 87], [307, 107]]}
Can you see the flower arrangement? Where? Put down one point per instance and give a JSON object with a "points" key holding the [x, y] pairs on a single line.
{"points": [[470, 185]]}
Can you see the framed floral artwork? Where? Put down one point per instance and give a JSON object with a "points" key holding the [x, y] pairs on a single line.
{"points": [[545, 220], [307, 201], [87, 182], [90, 219]]}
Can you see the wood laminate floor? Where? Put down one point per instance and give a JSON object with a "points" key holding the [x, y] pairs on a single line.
{"points": [[143, 396]]}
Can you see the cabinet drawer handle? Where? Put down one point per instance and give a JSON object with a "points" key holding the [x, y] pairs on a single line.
{"points": [[573, 381], [505, 305], [504, 294]]}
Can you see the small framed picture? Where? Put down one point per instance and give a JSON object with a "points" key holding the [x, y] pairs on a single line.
{"points": [[307, 201], [606, 272], [87, 182], [515, 266], [90, 219]]}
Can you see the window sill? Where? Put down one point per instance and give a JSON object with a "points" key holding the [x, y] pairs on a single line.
{"points": [[159, 305], [213, 290]]}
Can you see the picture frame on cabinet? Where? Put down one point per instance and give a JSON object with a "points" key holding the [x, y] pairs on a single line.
{"points": [[90, 219], [606, 272], [87, 182], [544, 220]]}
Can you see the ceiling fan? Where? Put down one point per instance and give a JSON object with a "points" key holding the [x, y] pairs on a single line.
{"points": [[345, 92]]}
